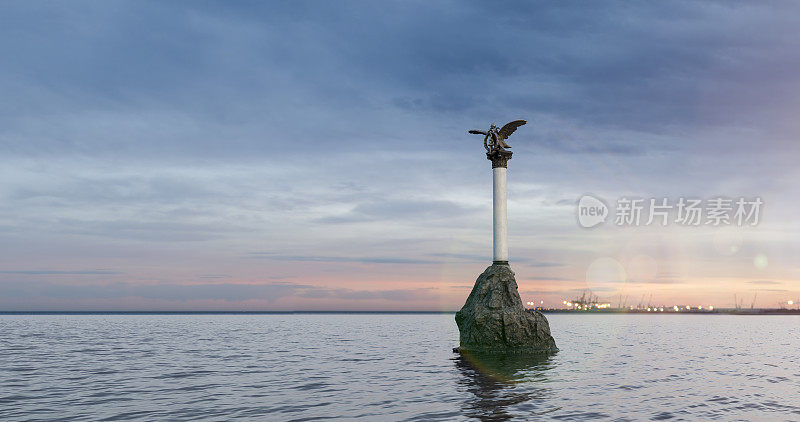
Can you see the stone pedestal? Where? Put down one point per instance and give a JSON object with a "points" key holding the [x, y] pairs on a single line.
{"points": [[493, 319]]}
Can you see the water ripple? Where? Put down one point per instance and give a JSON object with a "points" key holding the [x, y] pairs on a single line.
{"points": [[393, 367]]}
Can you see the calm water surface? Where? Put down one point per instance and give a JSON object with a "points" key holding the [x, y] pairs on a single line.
{"points": [[394, 367]]}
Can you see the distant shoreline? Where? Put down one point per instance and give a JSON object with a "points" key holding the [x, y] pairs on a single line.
{"points": [[214, 312], [753, 312], [667, 311]]}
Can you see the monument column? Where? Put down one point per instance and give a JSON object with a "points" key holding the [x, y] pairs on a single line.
{"points": [[500, 215], [493, 318]]}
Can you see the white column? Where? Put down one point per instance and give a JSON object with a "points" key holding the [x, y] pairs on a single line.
{"points": [[500, 215]]}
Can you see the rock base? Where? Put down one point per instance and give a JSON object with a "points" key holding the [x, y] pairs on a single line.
{"points": [[493, 319]]}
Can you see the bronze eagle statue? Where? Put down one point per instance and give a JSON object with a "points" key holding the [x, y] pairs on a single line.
{"points": [[495, 139]]}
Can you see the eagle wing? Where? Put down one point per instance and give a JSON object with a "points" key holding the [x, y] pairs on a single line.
{"points": [[478, 132], [509, 128]]}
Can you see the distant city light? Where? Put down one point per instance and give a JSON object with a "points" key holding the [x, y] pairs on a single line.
{"points": [[593, 305]]}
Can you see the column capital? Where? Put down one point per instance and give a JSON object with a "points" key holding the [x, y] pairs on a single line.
{"points": [[499, 158]]}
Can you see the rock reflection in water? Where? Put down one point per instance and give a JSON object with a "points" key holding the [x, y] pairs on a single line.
{"points": [[499, 381]]}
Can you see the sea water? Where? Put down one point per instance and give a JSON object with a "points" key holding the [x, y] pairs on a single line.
{"points": [[288, 367]]}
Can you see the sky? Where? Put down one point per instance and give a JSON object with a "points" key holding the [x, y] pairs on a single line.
{"points": [[311, 155]]}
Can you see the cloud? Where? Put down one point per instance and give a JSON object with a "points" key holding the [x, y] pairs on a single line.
{"points": [[536, 264], [229, 292], [460, 256], [579, 146], [658, 280], [400, 295], [348, 79], [60, 272], [316, 258], [155, 231], [394, 209], [176, 135], [437, 259], [547, 278], [764, 282], [594, 289]]}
